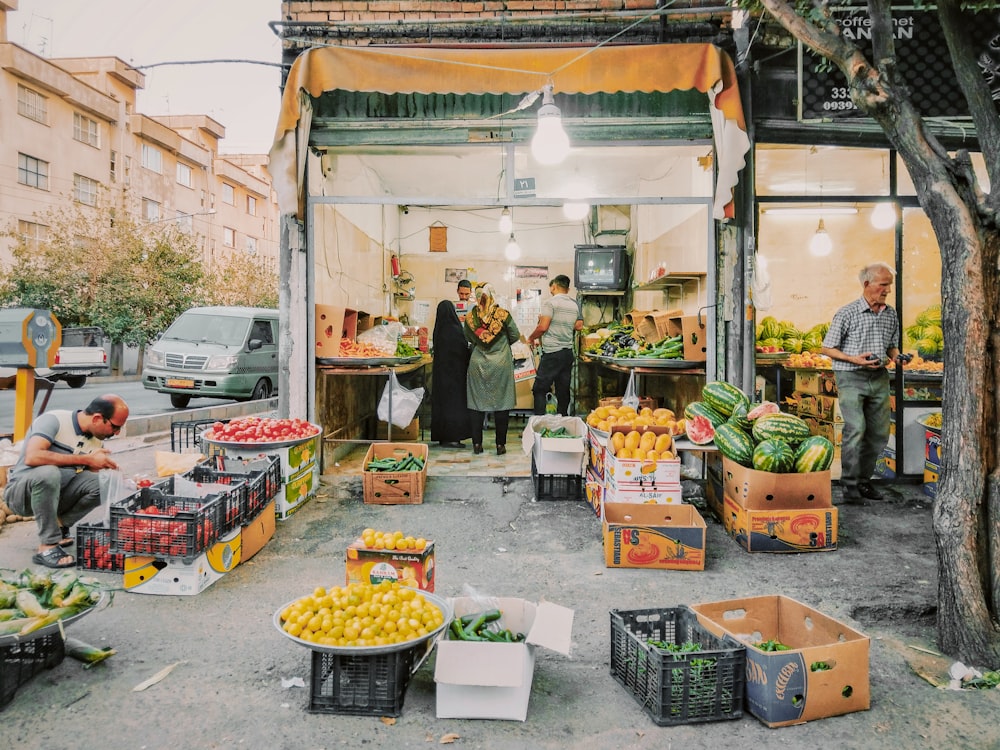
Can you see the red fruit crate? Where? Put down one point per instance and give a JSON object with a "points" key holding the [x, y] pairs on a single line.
{"points": [[24, 658], [93, 548], [262, 477], [149, 522]]}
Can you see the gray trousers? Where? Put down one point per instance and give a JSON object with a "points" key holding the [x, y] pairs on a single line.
{"points": [[864, 402], [51, 494]]}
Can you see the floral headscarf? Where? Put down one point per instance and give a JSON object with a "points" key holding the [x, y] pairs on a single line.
{"points": [[487, 318]]}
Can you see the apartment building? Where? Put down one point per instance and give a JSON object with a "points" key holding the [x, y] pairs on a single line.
{"points": [[69, 129]]}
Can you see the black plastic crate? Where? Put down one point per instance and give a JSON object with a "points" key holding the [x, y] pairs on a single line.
{"points": [[556, 486], [233, 498], [149, 522], [676, 688], [363, 685], [24, 658], [186, 434], [93, 548], [263, 478]]}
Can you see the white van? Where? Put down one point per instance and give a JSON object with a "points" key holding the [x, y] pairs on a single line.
{"points": [[215, 352]]}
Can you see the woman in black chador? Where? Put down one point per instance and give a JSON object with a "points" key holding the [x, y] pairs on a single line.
{"points": [[449, 412]]}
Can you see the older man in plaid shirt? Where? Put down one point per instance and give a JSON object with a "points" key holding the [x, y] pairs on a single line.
{"points": [[862, 339]]}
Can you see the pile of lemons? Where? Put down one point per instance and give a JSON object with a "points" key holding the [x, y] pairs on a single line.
{"points": [[361, 614], [391, 540]]}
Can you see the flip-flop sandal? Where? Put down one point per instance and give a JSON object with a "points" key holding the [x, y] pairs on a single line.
{"points": [[50, 558], [67, 540]]}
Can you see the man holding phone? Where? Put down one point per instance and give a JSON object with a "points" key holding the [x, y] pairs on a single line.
{"points": [[861, 340]]}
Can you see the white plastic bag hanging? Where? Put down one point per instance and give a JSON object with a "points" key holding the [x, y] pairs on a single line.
{"points": [[631, 398], [398, 404]]}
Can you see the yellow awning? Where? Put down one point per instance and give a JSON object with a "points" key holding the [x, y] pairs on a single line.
{"points": [[570, 70]]}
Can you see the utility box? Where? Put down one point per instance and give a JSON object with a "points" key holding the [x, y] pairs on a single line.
{"points": [[28, 337]]}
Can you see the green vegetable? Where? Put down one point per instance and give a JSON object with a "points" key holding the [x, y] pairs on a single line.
{"points": [[89, 655], [772, 645], [819, 666]]}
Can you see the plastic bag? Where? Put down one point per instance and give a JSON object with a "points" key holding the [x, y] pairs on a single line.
{"points": [[114, 487], [401, 402], [631, 398], [383, 337]]}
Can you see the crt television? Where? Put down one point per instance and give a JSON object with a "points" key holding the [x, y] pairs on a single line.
{"points": [[601, 268]]}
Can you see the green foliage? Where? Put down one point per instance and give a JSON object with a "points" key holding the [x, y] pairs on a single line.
{"points": [[100, 266], [243, 280]]}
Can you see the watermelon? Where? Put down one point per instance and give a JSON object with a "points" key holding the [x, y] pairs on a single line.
{"points": [[815, 453], [739, 417], [787, 427], [700, 408], [769, 328], [723, 396], [734, 444], [774, 455], [699, 430], [759, 410]]}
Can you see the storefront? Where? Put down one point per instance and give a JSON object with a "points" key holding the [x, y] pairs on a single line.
{"points": [[399, 190]]}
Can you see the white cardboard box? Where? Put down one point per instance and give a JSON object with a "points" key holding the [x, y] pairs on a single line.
{"points": [[556, 455], [482, 680], [168, 576]]}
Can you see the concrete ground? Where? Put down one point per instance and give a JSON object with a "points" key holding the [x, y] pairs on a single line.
{"points": [[234, 676]]}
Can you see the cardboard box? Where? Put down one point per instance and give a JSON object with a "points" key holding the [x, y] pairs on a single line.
{"points": [[482, 680], [524, 398], [641, 473], [174, 577], [661, 494], [932, 448], [644, 402], [395, 487], [258, 531], [293, 458], [781, 687], [781, 529], [410, 567], [655, 324], [692, 327], [834, 432], [408, 434], [932, 476], [885, 466], [764, 490], [598, 444], [653, 536], [556, 455], [816, 382], [297, 491], [333, 324], [595, 496]]}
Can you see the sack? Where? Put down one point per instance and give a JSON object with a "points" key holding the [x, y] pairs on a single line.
{"points": [[404, 402], [631, 398]]}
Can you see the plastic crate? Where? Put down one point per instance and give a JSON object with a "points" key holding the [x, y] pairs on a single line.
{"points": [[363, 685], [23, 659], [93, 548], [234, 499], [184, 435], [676, 688], [182, 527], [263, 480], [556, 486]]}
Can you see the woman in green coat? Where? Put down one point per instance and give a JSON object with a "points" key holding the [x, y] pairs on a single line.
{"points": [[490, 383]]}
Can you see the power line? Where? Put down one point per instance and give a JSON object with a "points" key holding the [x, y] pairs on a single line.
{"points": [[208, 62]]}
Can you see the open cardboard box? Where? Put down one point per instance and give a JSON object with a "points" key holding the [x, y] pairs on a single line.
{"points": [[483, 680], [789, 687], [556, 455], [765, 490]]}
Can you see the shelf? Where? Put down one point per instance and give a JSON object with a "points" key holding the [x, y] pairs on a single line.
{"points": [[670, 279]]}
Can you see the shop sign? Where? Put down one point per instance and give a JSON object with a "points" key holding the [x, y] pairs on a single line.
{"points": [[924, 65]]}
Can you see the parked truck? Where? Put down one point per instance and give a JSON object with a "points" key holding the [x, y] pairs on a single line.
{"points": [[81, 354]]}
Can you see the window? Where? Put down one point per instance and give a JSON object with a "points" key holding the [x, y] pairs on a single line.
{"points": [[32, 172], [251, 205], [228, 237], [128, 170], [183, 174], [85, 190], [31, 104], [261, 329], [228, 194], [251, 245], [152, 159], [114, 166], [85, 130], [33, 234], [150, 210]]}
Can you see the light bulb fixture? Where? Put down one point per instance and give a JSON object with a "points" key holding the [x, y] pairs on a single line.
{"points": [[821, 244], [575, 210], [550, 144], [506, 225], [512, 251], [884, 216]]}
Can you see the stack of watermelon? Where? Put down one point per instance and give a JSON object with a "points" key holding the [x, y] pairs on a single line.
{"points": [[758, 436]]}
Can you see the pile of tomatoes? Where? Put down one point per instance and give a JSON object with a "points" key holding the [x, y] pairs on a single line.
{"points": [[261, 430]]}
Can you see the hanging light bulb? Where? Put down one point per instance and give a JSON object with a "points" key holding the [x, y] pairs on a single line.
{"points": [[506, 225], [512, 251], [884, 216], [550, 144], [575, 210], [821, 244]]}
